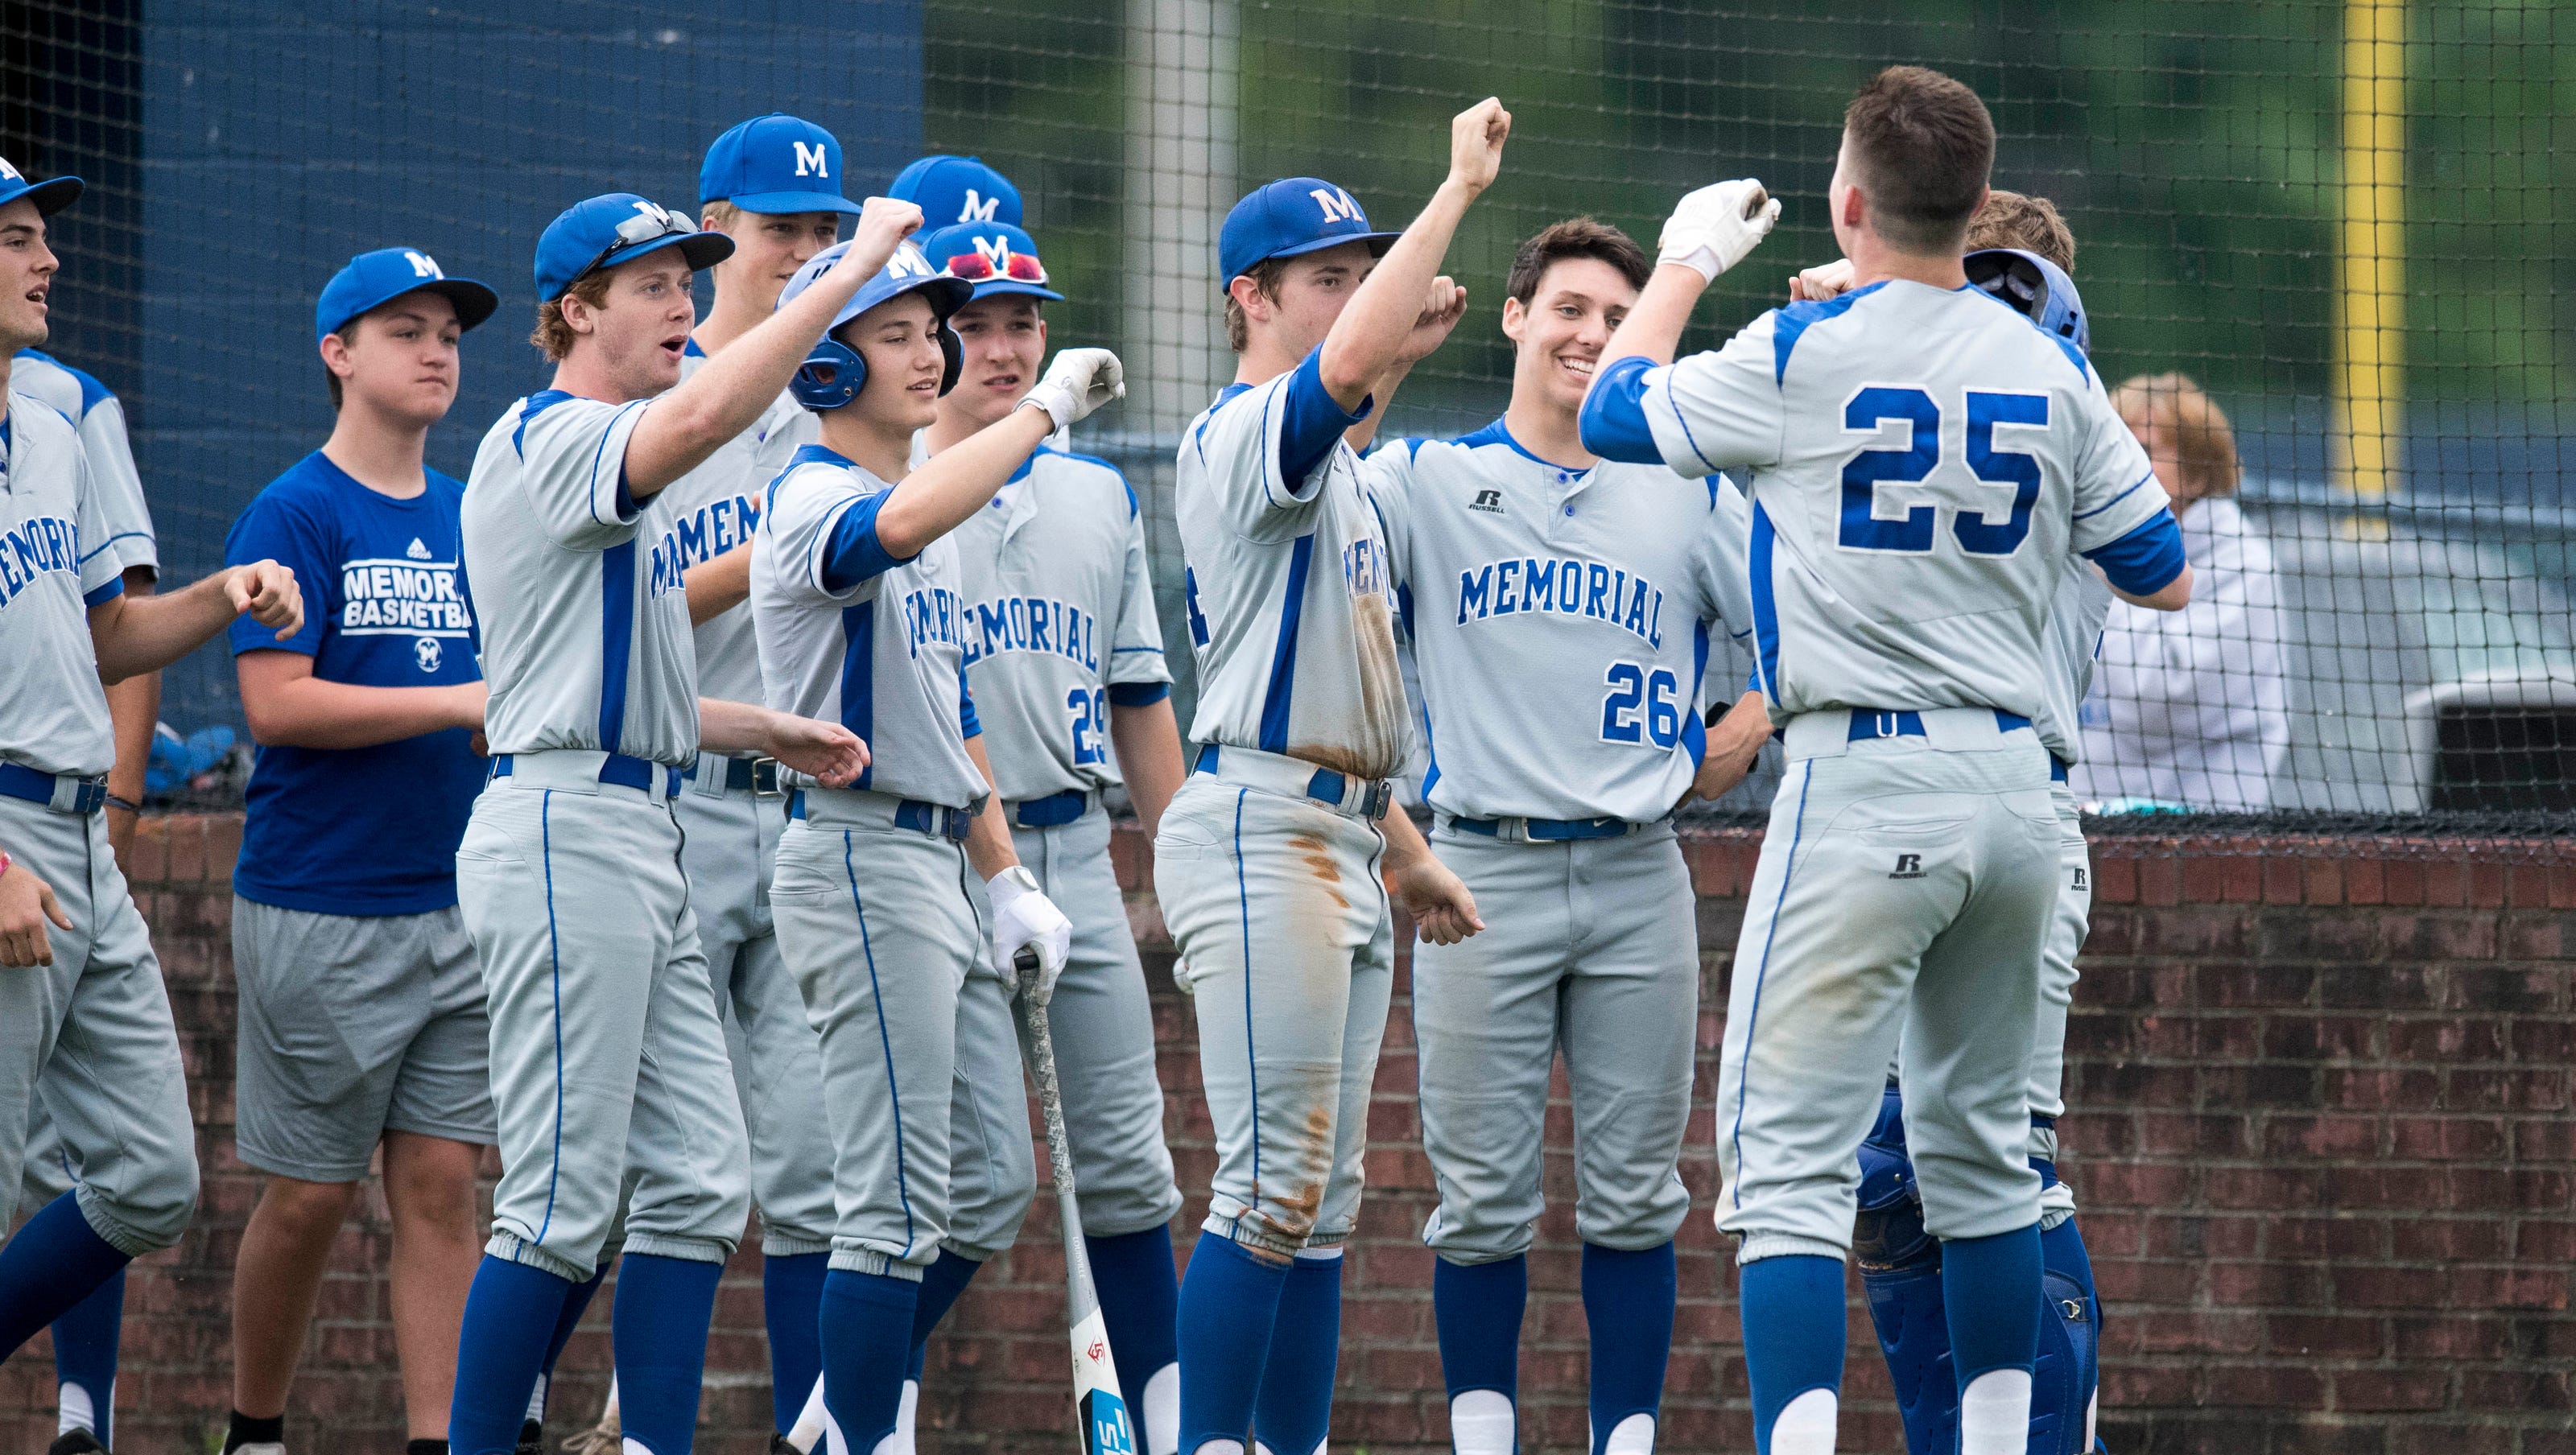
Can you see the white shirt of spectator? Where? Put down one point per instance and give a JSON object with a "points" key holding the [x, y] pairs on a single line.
{"points": [[2192, 706]]}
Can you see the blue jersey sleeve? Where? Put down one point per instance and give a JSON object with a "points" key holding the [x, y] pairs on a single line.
{"points": [[1310, 420], [1138, 694], [1614, 415], [854, 554], [967, 726], [2144, 561], [275, 529]]}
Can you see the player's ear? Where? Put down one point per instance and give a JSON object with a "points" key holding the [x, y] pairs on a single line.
{"points": [[1515, 319], [335, 353], [1247, 295]]}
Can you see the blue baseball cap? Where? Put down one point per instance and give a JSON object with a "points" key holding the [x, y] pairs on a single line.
{"points": [[908, 271], [56, 193], [615, 228], [994, 256], [951, 190], [1288, 217], [374, 279], [775, 163]]}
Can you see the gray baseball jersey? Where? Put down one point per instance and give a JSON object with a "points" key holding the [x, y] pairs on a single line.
{"points": [[2076, 613], [100, 418], [1061, 624], [715, 508], [1289, 608], [53, 712], [586, 639], [1561, 622], [1922, 461], [850, 635]]}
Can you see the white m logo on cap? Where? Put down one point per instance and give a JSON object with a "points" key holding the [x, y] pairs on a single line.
{"points": [[1337, 205], [978, 208], [9, 171], [809, 160], [908, 262], [422, 264]]}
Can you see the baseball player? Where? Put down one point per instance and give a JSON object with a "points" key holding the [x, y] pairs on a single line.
{"points": [[1909, 874], [1066, 660], [85, 1025], [85, 1337], [773, 185], [953, 190], [609, 1073], [361, 1018], [858, 599], [1561, 610], [2020, 251], [1268, 860]]}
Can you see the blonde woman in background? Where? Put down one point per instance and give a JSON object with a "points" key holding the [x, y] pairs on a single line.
{"points": [[2192, 707]]}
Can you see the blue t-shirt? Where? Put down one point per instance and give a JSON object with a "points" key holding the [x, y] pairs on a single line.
{"points": [[362, 831]]}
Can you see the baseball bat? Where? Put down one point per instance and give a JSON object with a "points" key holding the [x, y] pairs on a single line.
{"points": [[1754, 201], [1106, 1427]]}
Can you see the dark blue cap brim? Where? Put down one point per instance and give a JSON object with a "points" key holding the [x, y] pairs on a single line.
{"points": [[700, 250], [1378, 243], [1013, 285], [50, 196], [474, 303], [773, 204]]}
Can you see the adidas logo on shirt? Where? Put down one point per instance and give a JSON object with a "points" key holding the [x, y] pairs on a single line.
{"points": [[417, 552]]}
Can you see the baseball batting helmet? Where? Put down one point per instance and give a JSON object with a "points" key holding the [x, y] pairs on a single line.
{"points": [[2036, 288], [834, 373]]}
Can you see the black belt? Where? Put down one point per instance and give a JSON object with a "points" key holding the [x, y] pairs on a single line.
{"points": [[1550, 830], [935, 819], [1052, 810], [20, 781], [745, 775]]}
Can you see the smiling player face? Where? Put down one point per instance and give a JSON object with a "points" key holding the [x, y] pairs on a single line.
{"points": [[27, 268], [1560, 335], [1314, 289], [638, 331], [1005, 341], [899, 339], [768, 248]]}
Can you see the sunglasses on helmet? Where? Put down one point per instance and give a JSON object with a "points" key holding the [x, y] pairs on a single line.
{"points": [[640, 229]]}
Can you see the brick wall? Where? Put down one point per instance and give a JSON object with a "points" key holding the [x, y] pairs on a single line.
{"points": [[2319, 1120]]}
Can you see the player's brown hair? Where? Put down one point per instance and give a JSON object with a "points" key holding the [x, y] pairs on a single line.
{"points": [[2202, 436], [718, 216], [1922, 146], [1265, 275], [552, 335], [2017, 220], [1576, 237]]}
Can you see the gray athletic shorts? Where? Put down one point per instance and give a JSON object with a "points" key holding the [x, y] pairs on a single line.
{"points": [[353, 1026]]}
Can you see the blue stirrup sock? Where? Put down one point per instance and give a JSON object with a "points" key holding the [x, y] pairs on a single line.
{"points": [[940, 1285], [1229, 1302], [866, 1325], [1294, 1408], [659, 1326], [511, 1315], [1140, 1296], [54, 1262], [1628, 1302], [1792, 1309], [791, 1304], [1991, 1289], [1477, 1308], [2062, 1251], [85, 1339], [576, 1303]]}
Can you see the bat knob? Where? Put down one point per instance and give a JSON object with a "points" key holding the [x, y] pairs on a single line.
{"points": [[1755, 201]]}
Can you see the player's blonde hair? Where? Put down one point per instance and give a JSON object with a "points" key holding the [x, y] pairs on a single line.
{"points": [[2203, 440], [1265, 275], [2032, 224], [552, 335], [718, 216]]}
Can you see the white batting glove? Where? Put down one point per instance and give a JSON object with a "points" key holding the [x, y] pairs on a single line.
{"points": [[1078, 382], [1023, 917], [1708, 230]]}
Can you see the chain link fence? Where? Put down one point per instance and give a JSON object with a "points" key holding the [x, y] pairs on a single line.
{"points": [[2347, 220]]}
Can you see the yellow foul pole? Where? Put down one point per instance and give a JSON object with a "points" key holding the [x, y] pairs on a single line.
{"points": [[2370, 257]]}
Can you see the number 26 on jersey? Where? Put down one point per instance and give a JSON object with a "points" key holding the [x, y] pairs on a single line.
{"points": [[1915, 532]]}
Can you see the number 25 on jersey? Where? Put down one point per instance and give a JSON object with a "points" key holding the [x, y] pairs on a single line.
{"points": [[1872, 406]]}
